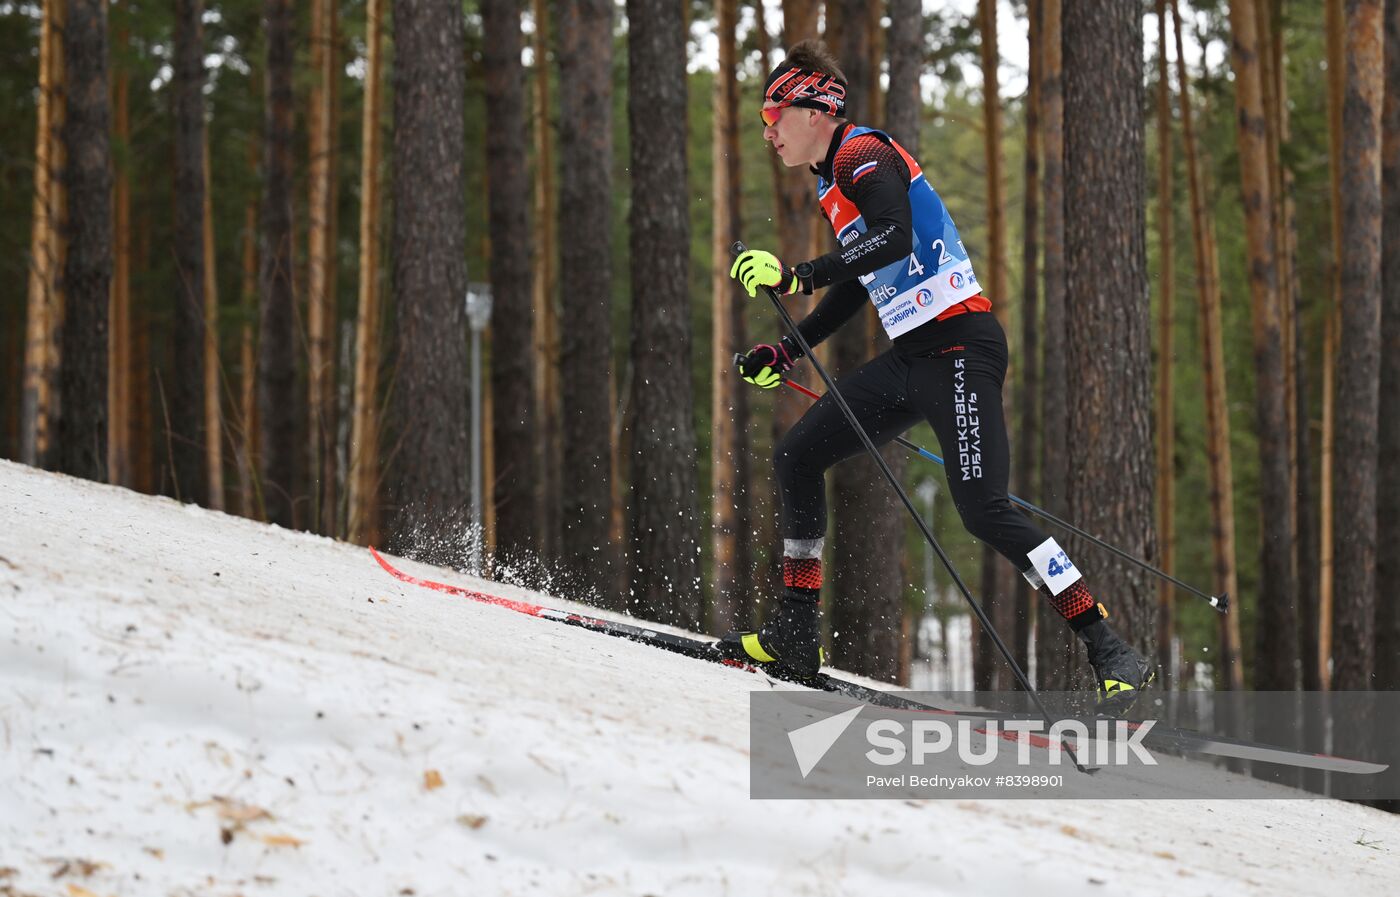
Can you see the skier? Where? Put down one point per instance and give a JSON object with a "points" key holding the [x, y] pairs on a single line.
{"points": [[901, 251]]}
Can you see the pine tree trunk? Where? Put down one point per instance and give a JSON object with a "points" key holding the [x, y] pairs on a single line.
{"points": [[800, 20], [1336, 89], [991, 144], [1358, 372], [1326, 502], [119, 344], [664, 535], [320, 276], [618, 448], [363, 477], [185, 388], [731, 605], [1282, 645], [1288, 296], [1054, 439], [1274, 657], [143, 427], [1288, 655], [428, 405], [87, 270], [887, 618], [1219, 472], [1305, 500], [1110, 485], [1058, 654], [1388, 498], [1278, 587], [584, 35], [332, 447], [989, 672], [1309, 599], [1269, 641], [549, 450], [903, 101], [44, 311], [249, 504], [488, 471], [1224, 548], [512, 333], [11, 377], [1387, 726], [874, 102], [276, 343], [999, 579], [213, 370], [903, 119], [1023, 478], [1166, 303]]}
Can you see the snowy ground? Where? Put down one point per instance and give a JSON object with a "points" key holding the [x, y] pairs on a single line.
{"points": [[192, 703]]}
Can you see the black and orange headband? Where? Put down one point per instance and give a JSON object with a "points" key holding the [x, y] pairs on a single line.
{"points": [[796, 86]]}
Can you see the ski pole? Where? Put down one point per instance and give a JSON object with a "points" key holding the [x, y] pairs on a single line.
{"points": [[850, 415], [1220, 602]]}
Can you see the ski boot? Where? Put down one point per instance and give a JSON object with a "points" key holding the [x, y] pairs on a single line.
{"points": [[1122, 673], [788, 645]]}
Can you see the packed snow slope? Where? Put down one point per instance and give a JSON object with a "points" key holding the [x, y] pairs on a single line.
{"points": [[192, 703]]}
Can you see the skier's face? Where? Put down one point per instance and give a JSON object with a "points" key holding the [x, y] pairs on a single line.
{"points": [[792, 132]]}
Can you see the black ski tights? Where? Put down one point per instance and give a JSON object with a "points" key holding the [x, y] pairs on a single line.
{"points": [[956, 387]]}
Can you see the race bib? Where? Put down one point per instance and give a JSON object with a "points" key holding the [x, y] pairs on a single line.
{"points": [[1054, 566]]}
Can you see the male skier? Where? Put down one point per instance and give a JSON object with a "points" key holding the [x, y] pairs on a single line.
{"points": [[901, 251]]}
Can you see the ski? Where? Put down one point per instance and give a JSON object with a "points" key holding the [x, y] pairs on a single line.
{"points": [[1160, 737], [698, 649]]}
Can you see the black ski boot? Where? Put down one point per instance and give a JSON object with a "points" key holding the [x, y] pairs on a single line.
{"points": [[1122, 673], [789, 644]]}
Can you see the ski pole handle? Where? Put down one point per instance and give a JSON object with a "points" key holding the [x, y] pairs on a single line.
{"points": [[738, 248]]}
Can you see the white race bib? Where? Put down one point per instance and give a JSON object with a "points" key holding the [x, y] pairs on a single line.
{"points": [[1054, 566]]}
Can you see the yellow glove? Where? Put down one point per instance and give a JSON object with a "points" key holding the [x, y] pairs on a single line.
{"points": [[764, 365], [754, 268]]}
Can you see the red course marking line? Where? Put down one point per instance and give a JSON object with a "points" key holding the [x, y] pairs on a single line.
{"points": [[523, 607]]}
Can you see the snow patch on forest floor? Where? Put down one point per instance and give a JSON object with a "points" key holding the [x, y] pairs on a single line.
{"points": [[193, 703]]}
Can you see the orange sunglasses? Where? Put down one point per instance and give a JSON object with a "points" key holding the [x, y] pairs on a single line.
{"points": [[771, 114]]}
